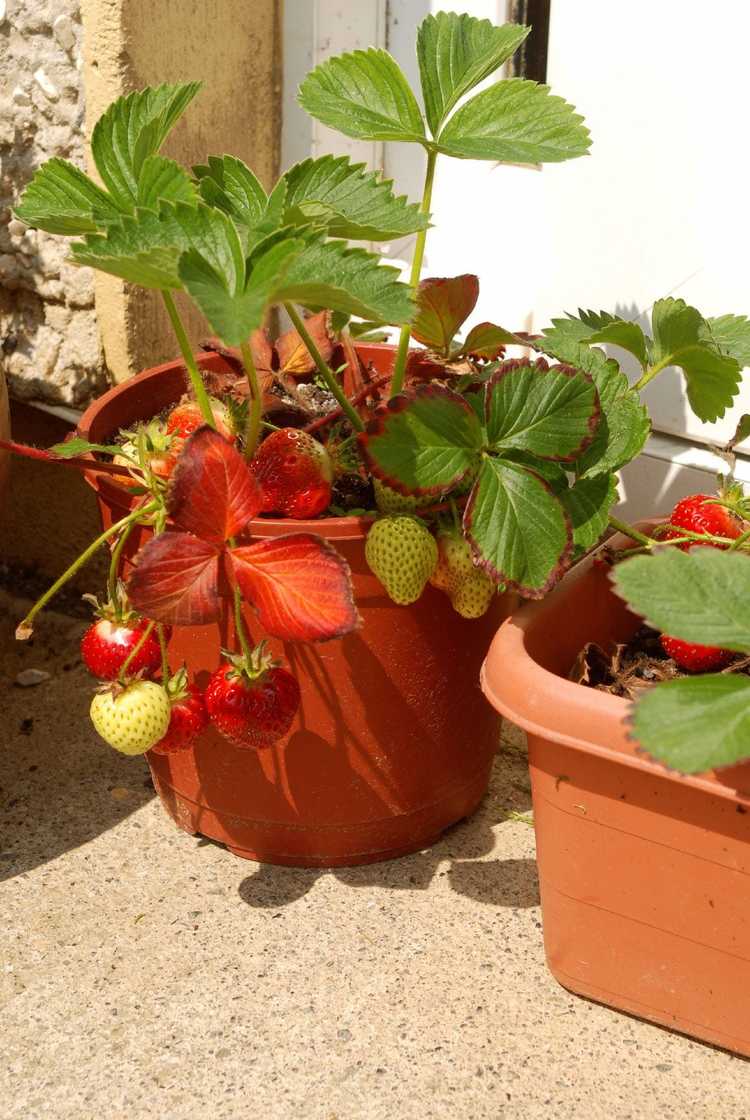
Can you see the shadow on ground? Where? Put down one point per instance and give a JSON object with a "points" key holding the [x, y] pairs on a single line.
{"points": [[59, 787]]}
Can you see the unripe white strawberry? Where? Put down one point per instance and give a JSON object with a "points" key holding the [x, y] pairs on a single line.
{"points": [[402, 553], [131, 719], [473, 595], [390, 501], [454, 561]]}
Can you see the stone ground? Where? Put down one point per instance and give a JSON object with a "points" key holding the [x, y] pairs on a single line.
{"points": [[145, 973]]}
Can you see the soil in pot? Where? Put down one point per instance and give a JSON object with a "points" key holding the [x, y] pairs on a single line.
{"points": [[393, 741], [644, 874]]}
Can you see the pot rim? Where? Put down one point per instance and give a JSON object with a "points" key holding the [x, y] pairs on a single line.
{"points": [[336, 528], [520, 688]]}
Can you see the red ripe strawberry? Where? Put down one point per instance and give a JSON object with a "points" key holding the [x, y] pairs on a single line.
{"points": [[188, 715], [252, 706], [106, 644], [695, 658], [699, 513], [295, 474], [186, 418]]}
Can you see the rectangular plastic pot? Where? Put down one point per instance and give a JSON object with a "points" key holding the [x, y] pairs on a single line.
{"points": [[644, 874]]}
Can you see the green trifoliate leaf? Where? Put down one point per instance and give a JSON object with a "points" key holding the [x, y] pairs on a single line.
{"points": [[712, 376], [163, 179], [132, 129], [487, 340], [348, 201], [519, 529], [550, 411], [731, 334], [363, 94], [236, 309], [515, 121], [61, 199], [699, 596], [588, 502], [624, 425], [426, 442], [455, 53], [330, 275], [696, 724], [443, 304], [146, 248]]}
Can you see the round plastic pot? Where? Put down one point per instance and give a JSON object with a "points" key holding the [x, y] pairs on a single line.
{"points": [[644, 874], [393, 742]]}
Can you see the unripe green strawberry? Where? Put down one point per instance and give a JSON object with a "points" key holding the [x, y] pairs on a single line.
{"points": [[402, 553], [454, 561], [133, 718], [473, 595], [390, 501]]}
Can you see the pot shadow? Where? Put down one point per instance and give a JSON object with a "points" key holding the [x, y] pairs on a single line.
{"points": [[511, 883]]}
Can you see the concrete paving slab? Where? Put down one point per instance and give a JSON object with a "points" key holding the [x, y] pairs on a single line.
{"points": [[146, 973]]}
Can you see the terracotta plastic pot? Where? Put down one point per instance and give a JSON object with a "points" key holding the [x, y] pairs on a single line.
{"points": [[644, 874], [394, 741]]}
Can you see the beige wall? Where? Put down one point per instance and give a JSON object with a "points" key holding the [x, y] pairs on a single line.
{"points": [[233, 46]]}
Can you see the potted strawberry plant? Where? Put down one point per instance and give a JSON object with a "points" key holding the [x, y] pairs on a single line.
{"points": [[638, 736], [265, 496]]}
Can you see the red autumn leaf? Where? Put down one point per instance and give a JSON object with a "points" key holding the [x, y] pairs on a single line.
{"points": [[443, 305], [299, 585], [176, 580], [294, 357], [214, 494]]}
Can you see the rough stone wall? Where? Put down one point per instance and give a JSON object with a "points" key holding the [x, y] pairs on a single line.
{"points": [[51, 348]]}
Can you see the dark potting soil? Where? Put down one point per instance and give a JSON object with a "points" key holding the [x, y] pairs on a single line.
{"points": [[630, 668]]}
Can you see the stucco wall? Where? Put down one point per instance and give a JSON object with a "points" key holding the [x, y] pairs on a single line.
{"points": [[50, 342], [63, 331]]}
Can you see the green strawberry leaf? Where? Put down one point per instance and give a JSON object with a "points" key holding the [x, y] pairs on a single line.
{"points": [[235, 305], [712, 377], [132, 129], [487, 340], [627, 335], [515, 121], [588, 502], [551, 412], [519, 530], [332, 276], [72, 448], [699, 596], [455, 53], [731, 335], [162, 178], [348, 200], [145, 249], [424, 442], [696, 724], [363, 94], [61, 199], [227, 182], [624, 426], [443, 304]]}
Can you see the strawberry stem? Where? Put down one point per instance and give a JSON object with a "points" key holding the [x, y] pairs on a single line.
{"points": [[629, 531], [239, 627], [114, 567], [324, 369], [252, 430], [186, 350], [24, 628], [135, 650], [164, 655], [402, 353]]}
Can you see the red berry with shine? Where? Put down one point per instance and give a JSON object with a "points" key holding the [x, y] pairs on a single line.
{"points": [[187, 719], [106, 645], [699, 513], [295, 474], [252, 713], [695, 658]]}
